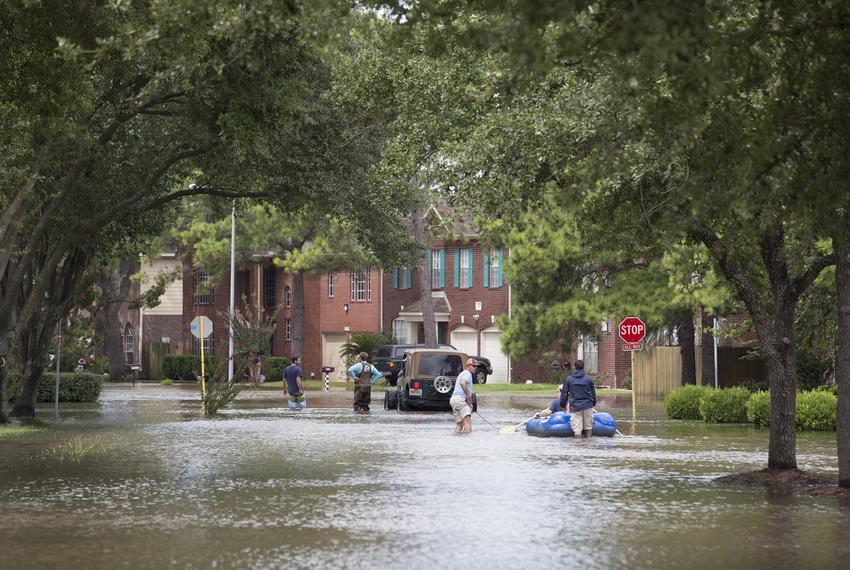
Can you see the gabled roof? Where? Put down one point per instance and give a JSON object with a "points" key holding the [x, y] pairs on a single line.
{"points": [[441, 306]]}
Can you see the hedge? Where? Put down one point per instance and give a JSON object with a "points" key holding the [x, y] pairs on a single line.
{"points": [[73, 387], [725, 406], [273, 368], [758, 408], [683, 403], [816, 410], [184, 366]]}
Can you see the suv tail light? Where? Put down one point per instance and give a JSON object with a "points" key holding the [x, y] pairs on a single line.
{"points": [[392, 365], [416, 385]]}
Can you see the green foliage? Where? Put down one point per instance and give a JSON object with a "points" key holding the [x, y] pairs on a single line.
{"points": [[184, 367], [813, 368], [77, 343], [253, 330], [361, 342], [73, 387], [758, 408], [99, 365], [167, 382], [724, 406], [816, 410], [219, 392], [273, 368], [754, 385], [684, 403]]}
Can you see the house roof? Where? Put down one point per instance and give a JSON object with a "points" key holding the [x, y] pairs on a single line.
{"points": [[441, 306]]}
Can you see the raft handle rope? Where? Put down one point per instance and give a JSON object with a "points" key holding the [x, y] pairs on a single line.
{"points": [[486, 422]]}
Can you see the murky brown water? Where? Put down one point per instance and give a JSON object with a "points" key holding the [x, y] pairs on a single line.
{"points": [[139, 480]]}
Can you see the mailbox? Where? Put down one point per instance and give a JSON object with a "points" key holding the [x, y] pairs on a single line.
{"points": [[327, 369]]}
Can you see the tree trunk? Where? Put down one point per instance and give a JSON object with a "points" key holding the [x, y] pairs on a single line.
{"points": [[778, 351], [298, 313], [4, 418], [429, 322], [841, 247], [113, 342], [707, 349], [34, 345], [687, 348]]}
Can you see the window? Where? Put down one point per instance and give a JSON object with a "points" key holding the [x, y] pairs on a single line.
{"points": [[270, 287], [209, 346], [201, 287], [438, 275], [287, 296], [440, 365], [401, 330], [495, 267], [403, 277], [129, 344], [361, 286], [465, 268], [590, 354], [288, 329], [330, 284]]}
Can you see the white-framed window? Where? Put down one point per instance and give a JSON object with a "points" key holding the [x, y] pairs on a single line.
{"points": [[436, 269], [330, 284], [401, 331], [404, 278], [590, 354], [201, 288], [464, 269], [287, 296], [495, 268], [129, 344], [361, 286], [288, 329], [209, 346]]}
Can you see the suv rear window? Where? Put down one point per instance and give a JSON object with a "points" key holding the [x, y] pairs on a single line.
{"points": [[382, 352], [399, 350], [440, 365]]}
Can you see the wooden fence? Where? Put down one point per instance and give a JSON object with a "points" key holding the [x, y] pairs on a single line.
{"points": [[657, 371], [154, 358]]}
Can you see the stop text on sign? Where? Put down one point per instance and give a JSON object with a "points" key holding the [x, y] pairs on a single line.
{"points": [[632, 330]]}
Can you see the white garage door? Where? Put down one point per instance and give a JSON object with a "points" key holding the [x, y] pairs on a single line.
{"points": [[465, 339], [492, 349], [331, 345]]}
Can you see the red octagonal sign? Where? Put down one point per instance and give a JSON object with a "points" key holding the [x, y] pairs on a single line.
{"points": [[632, 330]]}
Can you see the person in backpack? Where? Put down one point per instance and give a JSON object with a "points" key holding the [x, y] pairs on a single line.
{"points": [[364, 375], [293, 378], [578, 396]]}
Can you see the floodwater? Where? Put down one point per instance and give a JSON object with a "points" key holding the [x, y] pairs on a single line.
{"points": [[140, 480]]}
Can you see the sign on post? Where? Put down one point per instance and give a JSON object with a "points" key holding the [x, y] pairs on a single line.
{"points": [[631, 331], [199, 331]]}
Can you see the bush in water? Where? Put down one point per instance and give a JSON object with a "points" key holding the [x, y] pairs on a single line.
{"points": [[683, 403], [816, 410], [758, 408], [725, 406], [73, 387], [273, 368]]}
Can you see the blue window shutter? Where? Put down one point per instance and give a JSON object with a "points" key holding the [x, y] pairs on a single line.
{"points": [[486, 270], [429, 263], [469, 253], [501, 266], [457, 268], [395, 278], [410, 277], [442, 268]]}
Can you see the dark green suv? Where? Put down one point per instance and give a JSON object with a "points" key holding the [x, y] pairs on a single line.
{"points": [[388, 359], [426, 380]]}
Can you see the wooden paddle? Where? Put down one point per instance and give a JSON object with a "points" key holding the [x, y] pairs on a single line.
{"points": [[511, 429]]}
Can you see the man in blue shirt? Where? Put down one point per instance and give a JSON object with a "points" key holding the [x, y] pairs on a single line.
{"points": [[461, 400], [578, 396], [364, 375], [293, 378]]}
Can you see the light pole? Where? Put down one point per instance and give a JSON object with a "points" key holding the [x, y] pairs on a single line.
{"points": [[232, 290]]}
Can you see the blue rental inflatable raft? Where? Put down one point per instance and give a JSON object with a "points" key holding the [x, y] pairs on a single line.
{"points": [[558, 425]]}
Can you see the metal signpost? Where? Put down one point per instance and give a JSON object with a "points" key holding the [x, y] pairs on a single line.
{"points": [[201, 328], [631, 331]]}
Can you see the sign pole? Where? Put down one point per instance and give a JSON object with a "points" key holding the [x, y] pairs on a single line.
{"points": [[203, 384], [634, 408], [58, 358]]}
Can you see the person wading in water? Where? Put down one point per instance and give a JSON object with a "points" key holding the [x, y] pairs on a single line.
{"points": [[364, 375]]}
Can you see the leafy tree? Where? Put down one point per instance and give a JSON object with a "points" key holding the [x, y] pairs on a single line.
{"points": [[361, 342], [252, 337]]}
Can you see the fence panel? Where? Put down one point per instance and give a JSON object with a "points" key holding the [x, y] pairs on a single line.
{"points": [[154, 359]]}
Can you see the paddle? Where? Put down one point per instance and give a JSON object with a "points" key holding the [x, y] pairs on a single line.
{"points": [[511, 429]]}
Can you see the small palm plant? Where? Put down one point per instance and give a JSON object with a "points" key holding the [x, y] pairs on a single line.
{"points": [[361, 342]]}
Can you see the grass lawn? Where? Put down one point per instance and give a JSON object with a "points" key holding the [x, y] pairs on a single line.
{"points": [[7, 432]]}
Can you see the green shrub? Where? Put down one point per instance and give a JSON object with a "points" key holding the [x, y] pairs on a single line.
{"points": [[831, 388], [758, 408], [167, 382], [725, 406], [273, 368], [683, 403], [754, 385], [184, 366], [816, 410], [73, 387]]}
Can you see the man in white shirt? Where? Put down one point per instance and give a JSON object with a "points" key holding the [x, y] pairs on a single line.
{"points": [[461, 400]]}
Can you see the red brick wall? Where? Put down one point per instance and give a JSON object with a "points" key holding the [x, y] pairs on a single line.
{"points": [[158, 326]]}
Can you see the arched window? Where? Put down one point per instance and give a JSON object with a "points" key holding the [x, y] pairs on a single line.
{"points": [[287, 296], [129, 344]]}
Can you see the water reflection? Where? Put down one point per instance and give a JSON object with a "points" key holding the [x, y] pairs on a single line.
{"points": [[139, 480]]}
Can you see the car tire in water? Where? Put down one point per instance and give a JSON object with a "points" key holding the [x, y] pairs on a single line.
{"points": [[480, 377], [391, 400], [403, 406]]}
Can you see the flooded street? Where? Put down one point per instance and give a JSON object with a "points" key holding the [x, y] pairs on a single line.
{"points": [[139, 480]]}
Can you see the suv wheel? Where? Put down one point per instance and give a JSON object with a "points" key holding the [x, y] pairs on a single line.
{"points": [[403, 406], [480, 376], [391, 400]]}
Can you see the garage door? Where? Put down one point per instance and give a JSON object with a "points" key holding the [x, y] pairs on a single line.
{"points": [[492, 349], [465, 339], [331, 345]]}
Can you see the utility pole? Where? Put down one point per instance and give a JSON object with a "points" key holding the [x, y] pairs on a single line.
{"points": [[232, 290]]}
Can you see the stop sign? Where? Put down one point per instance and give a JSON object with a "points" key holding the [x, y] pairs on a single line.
{"points": [[632, 330]]}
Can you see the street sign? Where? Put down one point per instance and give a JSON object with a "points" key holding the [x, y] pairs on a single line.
{"points": [[633, 346], [632, 330], [195, 327]]}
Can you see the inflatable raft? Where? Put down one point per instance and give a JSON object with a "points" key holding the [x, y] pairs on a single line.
{"points": [[558, 425]]}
